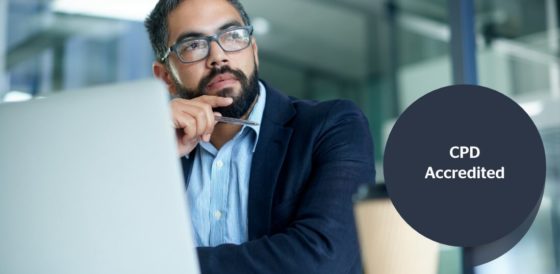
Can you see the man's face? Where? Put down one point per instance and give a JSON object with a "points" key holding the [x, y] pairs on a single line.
{"points": [[231, 74]]}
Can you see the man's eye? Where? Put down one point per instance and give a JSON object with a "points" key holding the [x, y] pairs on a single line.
{"points": [[193, 45], [234, 35]]}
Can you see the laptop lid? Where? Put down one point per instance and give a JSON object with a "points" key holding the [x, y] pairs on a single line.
{"points": [[90, 182]]}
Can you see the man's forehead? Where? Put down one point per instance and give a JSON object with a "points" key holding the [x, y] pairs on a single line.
{"points": [[201, 16]]}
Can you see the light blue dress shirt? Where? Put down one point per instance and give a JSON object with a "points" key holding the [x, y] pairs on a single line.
{"points": [[218, 187]]}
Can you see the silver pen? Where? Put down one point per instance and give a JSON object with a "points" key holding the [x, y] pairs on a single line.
{"points": [[235, 121]]}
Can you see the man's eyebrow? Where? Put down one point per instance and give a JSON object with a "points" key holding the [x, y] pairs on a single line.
{"points": [[191, 34], [230, 24]]}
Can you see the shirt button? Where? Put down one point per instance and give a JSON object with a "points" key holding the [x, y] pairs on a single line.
{"points": [[219, 164], [217, 215]]}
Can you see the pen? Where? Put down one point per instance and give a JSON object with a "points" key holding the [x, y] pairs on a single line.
{"points": [[235, 121]]}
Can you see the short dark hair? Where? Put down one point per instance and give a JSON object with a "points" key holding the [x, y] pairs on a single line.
{"points": [[156, 23]]}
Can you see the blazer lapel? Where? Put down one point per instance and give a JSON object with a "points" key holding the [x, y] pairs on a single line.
{"points": [[267, 160], [187, 164]]}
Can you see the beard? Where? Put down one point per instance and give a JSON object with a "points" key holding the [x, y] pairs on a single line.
{"points": [[241, 103]]}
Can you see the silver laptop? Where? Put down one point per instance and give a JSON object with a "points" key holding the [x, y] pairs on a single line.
{"points": [[90, 182]]}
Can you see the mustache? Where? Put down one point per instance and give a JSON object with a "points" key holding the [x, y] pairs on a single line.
{"points": [[216, 71]]}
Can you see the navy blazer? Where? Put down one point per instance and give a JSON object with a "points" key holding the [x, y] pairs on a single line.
{"points": [[309, 160]]}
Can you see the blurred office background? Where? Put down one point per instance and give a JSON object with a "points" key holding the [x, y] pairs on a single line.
{"points": [[382, 54]]}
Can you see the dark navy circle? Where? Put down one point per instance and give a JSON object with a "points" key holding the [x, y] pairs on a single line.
{"points": [[492, 132]]}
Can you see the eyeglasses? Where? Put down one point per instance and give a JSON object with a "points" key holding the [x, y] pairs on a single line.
{"points": [[195, 49]]}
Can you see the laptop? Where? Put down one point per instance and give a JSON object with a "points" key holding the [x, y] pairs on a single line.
{"points": [[90, 182]]}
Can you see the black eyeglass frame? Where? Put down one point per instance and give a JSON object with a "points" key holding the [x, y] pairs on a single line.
{"points": [[209, 40]]}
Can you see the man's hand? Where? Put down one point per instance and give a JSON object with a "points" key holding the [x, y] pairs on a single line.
{"points": [[194, 120]]}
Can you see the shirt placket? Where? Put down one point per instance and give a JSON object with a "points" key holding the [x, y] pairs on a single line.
{"points": [[218, 199]]}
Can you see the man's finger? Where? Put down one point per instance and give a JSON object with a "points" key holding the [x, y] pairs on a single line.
{"points": [[188, 125], [215, 101]]}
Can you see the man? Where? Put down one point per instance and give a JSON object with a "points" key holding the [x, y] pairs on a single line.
{"points": [[267, 198]]}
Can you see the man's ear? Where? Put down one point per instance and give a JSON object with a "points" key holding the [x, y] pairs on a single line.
{"points": [[255, 51], [160, 71]]}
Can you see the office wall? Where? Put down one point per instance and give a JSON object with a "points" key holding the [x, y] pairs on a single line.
{"points": [[494, 72]]}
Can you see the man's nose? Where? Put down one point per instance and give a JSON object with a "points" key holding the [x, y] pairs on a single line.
{"points": [[217, 57]]}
